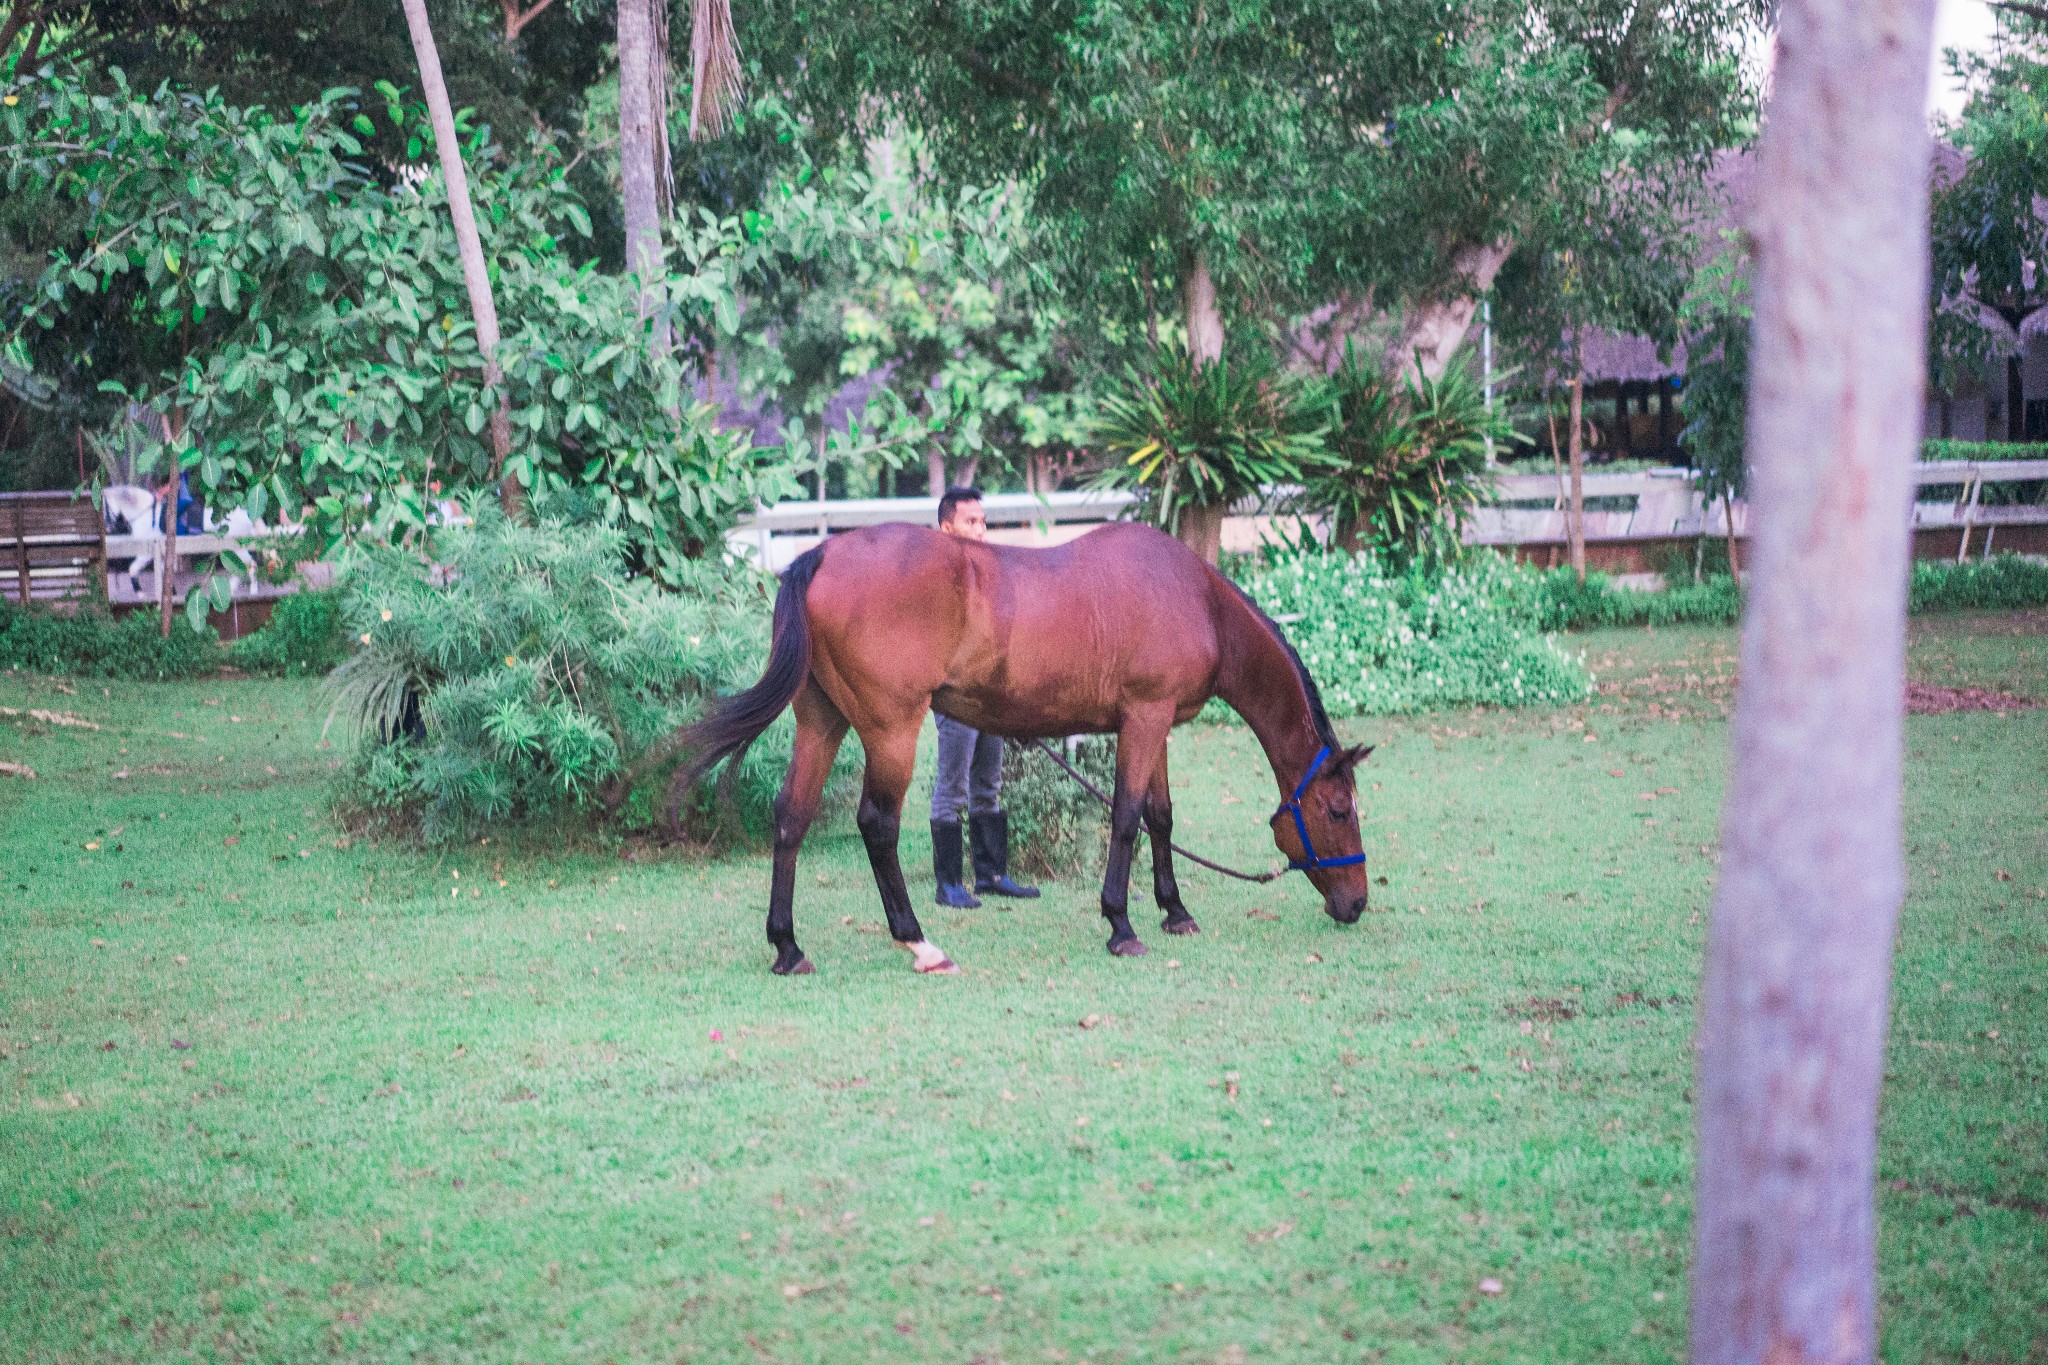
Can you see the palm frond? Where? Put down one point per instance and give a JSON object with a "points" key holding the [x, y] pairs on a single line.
{"points": [[714, 69]]}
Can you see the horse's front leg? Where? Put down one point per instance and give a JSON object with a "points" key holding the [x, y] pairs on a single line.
{"points": [[1159, 824], [1140, 751], [892, 756], [819, 729]]}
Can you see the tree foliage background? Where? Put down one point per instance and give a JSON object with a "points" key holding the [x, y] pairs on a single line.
{"points": [[932, 245]]}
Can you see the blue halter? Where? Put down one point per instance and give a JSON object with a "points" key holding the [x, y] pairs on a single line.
{"points": [[1292, 806]]}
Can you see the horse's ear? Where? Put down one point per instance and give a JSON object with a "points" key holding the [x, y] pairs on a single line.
{"points": [[1358, 754]]}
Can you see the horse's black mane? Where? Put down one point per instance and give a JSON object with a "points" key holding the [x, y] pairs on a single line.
{"points": [[1316, 714]]}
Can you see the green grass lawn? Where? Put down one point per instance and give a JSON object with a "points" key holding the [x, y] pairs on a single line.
{"points": [[270, 1094]]}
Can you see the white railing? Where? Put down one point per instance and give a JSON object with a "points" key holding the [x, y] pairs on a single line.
{"points": [[1667, 503], [775, 535]]}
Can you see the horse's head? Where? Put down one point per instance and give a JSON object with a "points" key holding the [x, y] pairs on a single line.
{"points": [[1317, 828]]}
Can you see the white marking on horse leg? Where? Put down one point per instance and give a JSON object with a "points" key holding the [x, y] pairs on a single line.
{"points": [[928, 959]]}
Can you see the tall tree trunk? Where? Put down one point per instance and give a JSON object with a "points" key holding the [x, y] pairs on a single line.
{"points": [[1205, 323], [18, 14], [1151, 305], [1575, 443], [1201, 528], [1431, 333], [643, 149], [2015, 400], [476, 279], [516, 19], [935, 470], [1734, 554], [1796, 998]]}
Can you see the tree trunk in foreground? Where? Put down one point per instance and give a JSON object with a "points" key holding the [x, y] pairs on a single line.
{"points": [[643, 148], [475, 278], [1796, 998], [1575, 443]]}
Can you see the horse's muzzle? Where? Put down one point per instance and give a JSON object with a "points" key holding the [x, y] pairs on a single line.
{"points": [[1343, 911]]}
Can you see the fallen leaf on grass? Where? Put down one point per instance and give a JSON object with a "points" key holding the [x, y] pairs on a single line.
{"points": [[180, 1045], [1489, 1286], [1091, 1021], [231, 841], [1272, 1234], [1256, 913], [1613, 772], [23, 770]]}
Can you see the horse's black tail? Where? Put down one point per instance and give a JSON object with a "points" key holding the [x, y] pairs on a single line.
{"points": [[735, 723]]}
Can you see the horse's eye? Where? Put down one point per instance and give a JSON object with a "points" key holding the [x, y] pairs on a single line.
{"points": [[1340, 811]]}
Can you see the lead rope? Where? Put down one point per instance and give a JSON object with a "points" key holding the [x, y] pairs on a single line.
{"points": [[1196, 858]]}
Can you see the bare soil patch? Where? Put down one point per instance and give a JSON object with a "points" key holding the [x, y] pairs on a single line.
{"points": [[1923, 699]]}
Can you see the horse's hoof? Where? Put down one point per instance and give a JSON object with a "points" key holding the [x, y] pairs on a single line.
{"points": [[1182, 923], [1127, 947], [927, 959], [797, 966]]}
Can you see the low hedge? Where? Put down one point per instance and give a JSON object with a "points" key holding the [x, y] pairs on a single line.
{"points": [[93, 643], [304, 635]]}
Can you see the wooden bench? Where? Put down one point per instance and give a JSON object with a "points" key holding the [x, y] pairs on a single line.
{"points": [[53, 548]]}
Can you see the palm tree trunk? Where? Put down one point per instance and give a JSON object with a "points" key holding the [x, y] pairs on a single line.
{"points": [[643, 149], [1795, 1002], [476, 278]]}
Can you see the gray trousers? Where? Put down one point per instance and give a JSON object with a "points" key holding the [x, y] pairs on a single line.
{"points": [[969, 773]]}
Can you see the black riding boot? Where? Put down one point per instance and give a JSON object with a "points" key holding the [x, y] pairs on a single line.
{"points": [[946, 865], [992, 858]]}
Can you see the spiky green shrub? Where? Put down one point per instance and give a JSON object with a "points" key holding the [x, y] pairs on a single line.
{"points": [[1382, 640], [521, 675], [1405, 458], [1187, 436]]}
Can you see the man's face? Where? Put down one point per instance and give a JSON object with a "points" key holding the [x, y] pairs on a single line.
{"points": [[969, 522]]}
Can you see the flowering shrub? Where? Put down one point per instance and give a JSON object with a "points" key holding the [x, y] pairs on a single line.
{"points": [[1379, 640]]}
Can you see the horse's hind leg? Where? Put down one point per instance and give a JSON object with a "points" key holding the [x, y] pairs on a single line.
{"points": [[819, 729], [892, 756], [1159, 824], [1140, 751]]}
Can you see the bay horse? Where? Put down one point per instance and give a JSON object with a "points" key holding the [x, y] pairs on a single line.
{"points": [[1122, 631]]}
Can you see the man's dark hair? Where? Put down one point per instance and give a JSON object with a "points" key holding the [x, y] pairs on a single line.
{"points": [[953, 498]]}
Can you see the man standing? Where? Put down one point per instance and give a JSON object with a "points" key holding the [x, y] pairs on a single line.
{"points": [[970, 769]]}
